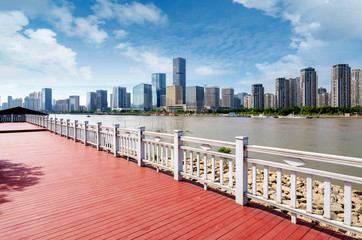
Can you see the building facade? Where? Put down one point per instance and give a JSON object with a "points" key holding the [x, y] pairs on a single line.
{"points": [[142, 97], [61, 105], [174, 95], [91, 101], [247, 101], [257, 96], [356, 88], [281, 93], [194, 98], [241, 97], [212, 97], [269, 100], [294, 91], [46, 99], [341, 86], [119, 98], [179, 75], [227, 95], [309, 83], [322, 97], [158, 90], [74, 103]]}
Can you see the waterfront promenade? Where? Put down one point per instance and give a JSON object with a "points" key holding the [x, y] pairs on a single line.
{"points": [[54, 188]]}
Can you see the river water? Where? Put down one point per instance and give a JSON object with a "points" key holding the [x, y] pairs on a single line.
{"points": [[331, 136]]}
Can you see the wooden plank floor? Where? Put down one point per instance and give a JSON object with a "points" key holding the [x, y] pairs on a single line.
{"points": [[54, 188], [19, 127]]}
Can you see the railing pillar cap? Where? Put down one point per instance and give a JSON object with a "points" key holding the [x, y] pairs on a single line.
{"points": [[76, 121], [99, 123], [141, 128], [86, 122], [116, 125], [241, 138], [177, 131]]}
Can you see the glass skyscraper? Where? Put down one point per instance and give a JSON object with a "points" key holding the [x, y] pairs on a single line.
{"points": [[142, 97], [46, 99], [179, 75], [91, 101], [119, 97], [158, 90], [101, 100], [194, 98]]}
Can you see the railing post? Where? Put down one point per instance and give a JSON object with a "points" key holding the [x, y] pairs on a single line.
{"points": [[177, 166], [75, 130], [67, 128], [99, 124], [12, 117], [141, 147], [51, 124], [115, 140], [241, 170], [85, 133], [61, 127], [55, 125]]}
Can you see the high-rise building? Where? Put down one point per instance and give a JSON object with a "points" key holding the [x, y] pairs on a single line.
{"points": [[356, 88], [294, 90], [74, 103], [101, 100], [237, 101], [119, 98], [281, 93], [341, 86], [257, 96], [142, 97], [31, 103], [212, 97], [91, 101], [46, 99], [179, 75], [227, 95], [269, 100], [174, 95], [40, 97], [61, 105], [309, 83], [158, 90], [247, 101], [241, 97], [195, 98], [322, 97], [128, 100]]}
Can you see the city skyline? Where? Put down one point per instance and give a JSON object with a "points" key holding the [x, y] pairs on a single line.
{"points": [[236, 43]]}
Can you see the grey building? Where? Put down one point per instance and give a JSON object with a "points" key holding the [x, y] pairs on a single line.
{"points": [[119, 98], [356, 88], [294, 90], [247, 101], [61, 105], [341, 86], [142, 97], [31, 103], [128, 100], [237, 101], [158, 90], [257, 96], [74, 103], [309, 83], [101, 100], [46, 99], [281, 93], [179, 75], [322, 97], [241, 97], [212, 97], [91, 101], [269, 100], [227, 95], [195, 98]]}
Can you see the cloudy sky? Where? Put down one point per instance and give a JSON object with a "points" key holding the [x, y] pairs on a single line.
{"points": [[83, 45]]}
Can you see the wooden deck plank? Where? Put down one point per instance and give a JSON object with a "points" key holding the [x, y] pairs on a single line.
{"points": [[55, 188]]}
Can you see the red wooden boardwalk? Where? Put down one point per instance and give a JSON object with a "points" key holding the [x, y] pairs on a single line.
{"points": [[19, 127], [54, 188]]}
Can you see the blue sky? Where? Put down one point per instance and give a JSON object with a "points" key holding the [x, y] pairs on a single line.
{"points": [[79, 46]]}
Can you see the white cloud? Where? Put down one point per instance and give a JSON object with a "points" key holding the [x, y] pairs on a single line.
{"points": [[120, 33], [87, 29], [45, 60], [207, 71], [129, 13], [319, 27]]}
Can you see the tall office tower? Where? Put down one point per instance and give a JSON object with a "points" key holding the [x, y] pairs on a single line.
{"points": [[293, 92], [74, 103], [212, 97], [269, 100], [62, 105], [299, 92], [119, 98], [227, 95], [10, 99], [91, 101], [281, 93], [257, 96], [174, 95], [241, 97], [322, 97], [341, 86], [40, 97], [158, 90], [195, 98], [101, 100], [179, 75], [309, 83], [247, 101], [128, 100], [142, 97], [237, 101], [46, 99], [356, 88]]}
